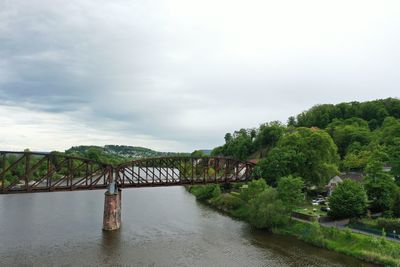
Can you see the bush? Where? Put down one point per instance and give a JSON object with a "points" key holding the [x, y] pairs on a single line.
{"points": [[313, 234], [267, 211], [227, 202], [389, 225], [348, 200], [253, 188], [205, 192], [396, 204]]}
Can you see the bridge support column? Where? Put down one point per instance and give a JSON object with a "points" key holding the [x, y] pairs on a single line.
{"points": [[112, 210]]}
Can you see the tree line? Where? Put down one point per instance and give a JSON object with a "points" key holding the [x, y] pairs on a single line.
{"points": [[325, 140]]}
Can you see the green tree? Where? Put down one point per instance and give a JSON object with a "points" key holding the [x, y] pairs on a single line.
{"points": [[269, 134], [308, 153], [347, 132], [290, 191], [267, 211], [252, 189], [205, 192], [396, 203], [198, 153], [379, 184], [348, 200]]}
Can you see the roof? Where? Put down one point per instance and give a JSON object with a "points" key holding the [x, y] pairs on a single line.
{"points": [[335, 180], [355, 176]]}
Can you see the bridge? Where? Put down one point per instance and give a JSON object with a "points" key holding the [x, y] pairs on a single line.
{"points": [[31, 172]]}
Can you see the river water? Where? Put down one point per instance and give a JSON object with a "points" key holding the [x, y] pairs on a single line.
{"points": [[160, 227]]}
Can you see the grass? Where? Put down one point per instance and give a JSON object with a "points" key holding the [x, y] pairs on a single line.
{"points": [[307, 209], [372, 249]]}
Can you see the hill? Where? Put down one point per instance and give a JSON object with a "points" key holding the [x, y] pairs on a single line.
{"points": [[115, 154]]}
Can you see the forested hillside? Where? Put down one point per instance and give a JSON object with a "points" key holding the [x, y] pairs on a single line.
{"points": [[115, 154], [320, 142]]}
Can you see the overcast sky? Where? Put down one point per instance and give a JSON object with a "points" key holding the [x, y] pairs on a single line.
{"points": [[177, 75]]}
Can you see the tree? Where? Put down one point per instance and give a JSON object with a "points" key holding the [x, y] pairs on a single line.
{"points": [[269, 134], [379, 184], [267, 211], [290, 191], [228, 138], [198, 153], [253, 188], [347, 132], [308, 153], [291, 121], [348, 200], [396, 203]]}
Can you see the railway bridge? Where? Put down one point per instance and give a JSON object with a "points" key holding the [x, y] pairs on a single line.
{"points": [[32, 172]]}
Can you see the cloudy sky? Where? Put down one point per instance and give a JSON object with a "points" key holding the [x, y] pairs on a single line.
{"points": [[177, 75]]}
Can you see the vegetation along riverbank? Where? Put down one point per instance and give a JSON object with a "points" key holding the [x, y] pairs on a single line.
{"points": [[331, 162]]}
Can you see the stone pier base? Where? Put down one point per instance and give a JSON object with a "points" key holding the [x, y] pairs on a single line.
{"points": [[112, 211]]}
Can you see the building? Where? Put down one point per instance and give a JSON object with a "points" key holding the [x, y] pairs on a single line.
{"points": [[333, 183]]}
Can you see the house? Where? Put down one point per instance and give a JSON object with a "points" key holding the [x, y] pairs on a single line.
{"points": [[333, 183]]}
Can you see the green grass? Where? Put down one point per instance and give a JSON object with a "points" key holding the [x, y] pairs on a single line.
{"points": [[307, 209], [372, 249]]}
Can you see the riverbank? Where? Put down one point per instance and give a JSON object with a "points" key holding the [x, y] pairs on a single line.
{"points": [[371, 249]]}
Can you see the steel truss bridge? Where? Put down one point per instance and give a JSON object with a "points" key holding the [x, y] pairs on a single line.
{"points": [[24, 172]]}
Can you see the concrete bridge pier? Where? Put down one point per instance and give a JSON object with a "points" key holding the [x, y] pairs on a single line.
{"points": [[112, 208]]}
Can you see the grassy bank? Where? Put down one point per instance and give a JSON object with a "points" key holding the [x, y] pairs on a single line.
{"points": [[377, 250], [372, 249]]}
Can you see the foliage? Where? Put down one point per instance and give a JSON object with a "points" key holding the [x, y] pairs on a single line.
{"points": [[205, 192], [347, 132], [290, 191], [372, 249], [356, 160], [308, 153], [396, 204], [374, 112], [198, 153], [252, 189], [349, 199], [231, 204], [389, 224], [267, 211], [239, 145], [269, 134], [113, 153]]}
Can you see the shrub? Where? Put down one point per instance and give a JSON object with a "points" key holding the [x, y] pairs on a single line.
{"points": [[267, 211], [348, 200], [253, 188], [205, 192], [227, 202], [389, 224]]}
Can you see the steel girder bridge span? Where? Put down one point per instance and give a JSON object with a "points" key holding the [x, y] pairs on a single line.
{"points": [[30, 172]]}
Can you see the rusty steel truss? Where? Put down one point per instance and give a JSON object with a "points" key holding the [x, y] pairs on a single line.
{"points": [[24, 172]]}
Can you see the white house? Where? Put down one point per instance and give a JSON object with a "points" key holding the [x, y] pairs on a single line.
{"points": [[333, 183]]}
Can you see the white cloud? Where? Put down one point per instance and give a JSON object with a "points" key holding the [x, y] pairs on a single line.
{"points": [[177, 75]]}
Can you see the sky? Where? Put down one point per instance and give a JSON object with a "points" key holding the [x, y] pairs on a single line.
{"points": [[177, 75]]}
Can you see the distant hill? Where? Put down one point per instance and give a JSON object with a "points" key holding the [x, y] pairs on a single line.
{"points": [[121, 151]]}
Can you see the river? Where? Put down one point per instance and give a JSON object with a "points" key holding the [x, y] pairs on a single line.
{"points": [[160, 227]]}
